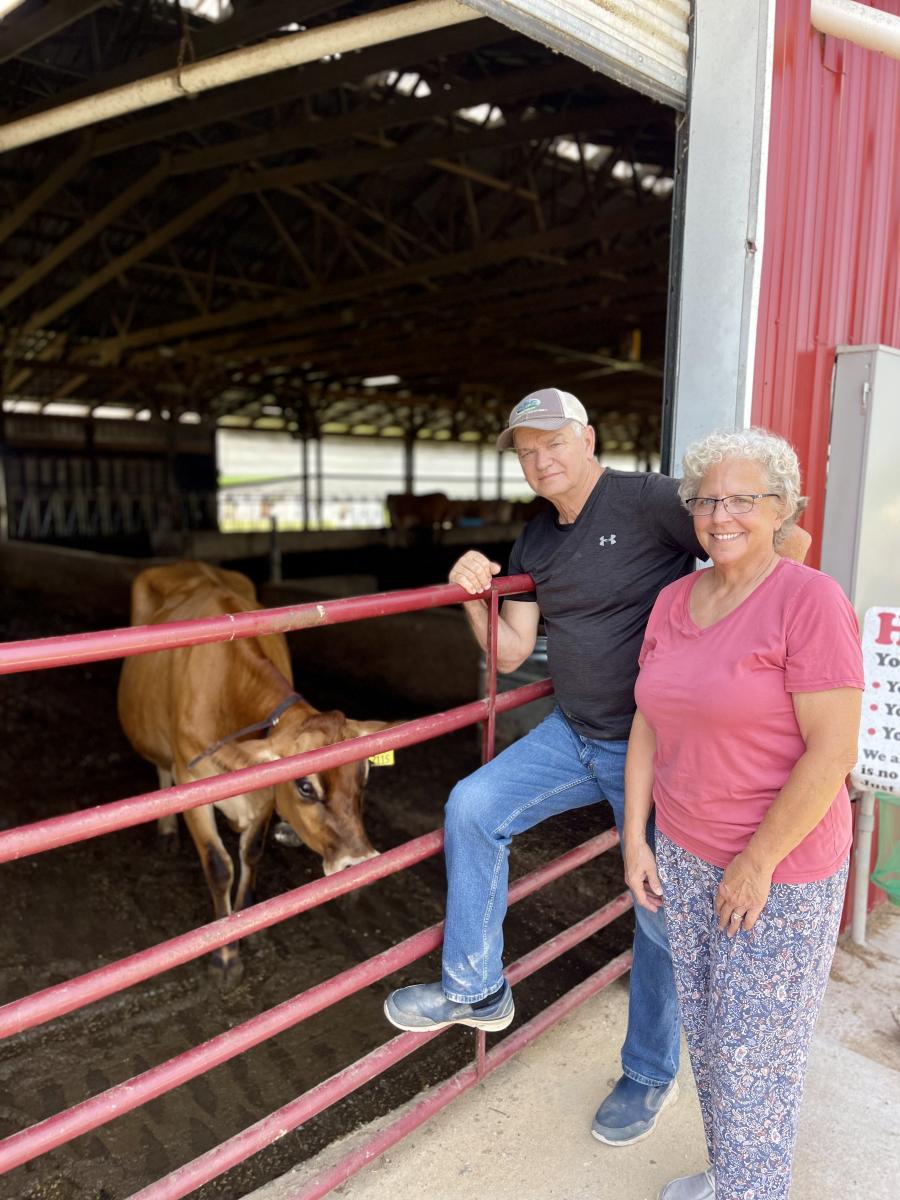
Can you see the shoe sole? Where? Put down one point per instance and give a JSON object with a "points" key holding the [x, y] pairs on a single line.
{"points": [[671, 1097], [489, 1026]]}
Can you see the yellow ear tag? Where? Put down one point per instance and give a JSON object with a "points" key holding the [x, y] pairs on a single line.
{"points": [[385, 759]]}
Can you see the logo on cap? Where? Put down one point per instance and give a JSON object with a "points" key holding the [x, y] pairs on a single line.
{"points": [[528, 405]]}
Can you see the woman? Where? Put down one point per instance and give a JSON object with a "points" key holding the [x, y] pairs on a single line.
{"points": [[748, 709]]}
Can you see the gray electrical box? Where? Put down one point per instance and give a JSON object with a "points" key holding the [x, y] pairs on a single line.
{"points": [[861, 534]]}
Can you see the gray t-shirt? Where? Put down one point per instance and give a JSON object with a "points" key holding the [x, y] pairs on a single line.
{"points": [[596, 581]]}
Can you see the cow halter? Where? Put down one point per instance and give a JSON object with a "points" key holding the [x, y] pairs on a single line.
{"points": [[267, 723]]}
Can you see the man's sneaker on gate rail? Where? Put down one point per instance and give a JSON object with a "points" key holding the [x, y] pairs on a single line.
{"points": [[424, 1006], [630, 1111]]}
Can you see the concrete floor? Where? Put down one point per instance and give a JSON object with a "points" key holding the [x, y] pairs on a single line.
{"points": [[522, 1134]]}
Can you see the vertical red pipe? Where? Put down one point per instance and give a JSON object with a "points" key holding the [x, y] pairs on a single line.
{"points": [[488, 746], [480, 1053], [490, 679]]}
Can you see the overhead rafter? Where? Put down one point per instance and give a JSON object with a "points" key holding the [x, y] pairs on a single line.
{"points": [[464, 210], [434, 151], [22, 33], [190, 78], [241, 28], [493, 253], [153, 242], [380, 115], [48, 187], [85, 233], [241, 99]]}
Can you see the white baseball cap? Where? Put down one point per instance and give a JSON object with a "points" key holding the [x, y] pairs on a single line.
{"points": [[548, 408]]}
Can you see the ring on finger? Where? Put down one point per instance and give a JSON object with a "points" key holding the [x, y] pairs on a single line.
{"points": [[738, 916]]}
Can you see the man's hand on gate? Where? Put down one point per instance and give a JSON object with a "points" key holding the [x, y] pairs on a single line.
{"points": [[474, 572]]}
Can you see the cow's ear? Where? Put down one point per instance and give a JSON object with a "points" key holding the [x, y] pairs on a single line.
{"points": [[353, 729], [234, 755]]}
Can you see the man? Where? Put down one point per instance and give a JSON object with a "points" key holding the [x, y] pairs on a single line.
{"points": [[615, 539]]}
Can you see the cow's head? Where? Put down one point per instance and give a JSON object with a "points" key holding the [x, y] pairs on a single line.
{"points": [[324, 808]]}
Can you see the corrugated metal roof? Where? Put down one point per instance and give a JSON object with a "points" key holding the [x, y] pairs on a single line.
{"points": [[831, 269]]}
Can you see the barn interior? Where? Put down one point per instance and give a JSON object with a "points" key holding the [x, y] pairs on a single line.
{"points": [[390, 246], [395, 243]]}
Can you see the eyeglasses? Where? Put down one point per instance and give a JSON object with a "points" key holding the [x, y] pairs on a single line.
{"points": [[705, 506]]}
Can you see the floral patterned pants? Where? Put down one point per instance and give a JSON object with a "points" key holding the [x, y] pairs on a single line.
{"points": [[748, 1006]]}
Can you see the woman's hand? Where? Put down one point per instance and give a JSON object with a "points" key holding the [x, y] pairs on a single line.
{"points": [[742, 894], [641, 876]]}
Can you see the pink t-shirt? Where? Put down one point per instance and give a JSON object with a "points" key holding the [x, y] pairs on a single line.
{"points": [[719, 702]]}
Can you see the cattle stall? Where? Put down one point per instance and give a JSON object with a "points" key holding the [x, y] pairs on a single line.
{"points": [[91, 902]]}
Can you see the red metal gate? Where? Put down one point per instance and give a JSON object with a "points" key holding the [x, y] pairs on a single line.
{"points": [[70, 995]]}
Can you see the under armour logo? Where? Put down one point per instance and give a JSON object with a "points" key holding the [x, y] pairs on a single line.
{"points": [[610, 538]]}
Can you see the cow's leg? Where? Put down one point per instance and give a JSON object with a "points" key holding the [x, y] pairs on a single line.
{"points": [[167, 827], [253, 843], [219, 871]]}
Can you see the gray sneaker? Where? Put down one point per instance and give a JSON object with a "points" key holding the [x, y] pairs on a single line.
{"points": [[424, 1006], [691, 1187], [630, 1111]]}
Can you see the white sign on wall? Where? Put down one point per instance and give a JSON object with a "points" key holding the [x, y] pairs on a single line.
{"points": [[878, 766]]}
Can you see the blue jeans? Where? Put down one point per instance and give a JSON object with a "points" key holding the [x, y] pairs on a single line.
{"points": [[551, 770]]}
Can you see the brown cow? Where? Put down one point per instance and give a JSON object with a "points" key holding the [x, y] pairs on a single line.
{"points": [[410, 512], [177, 706]]}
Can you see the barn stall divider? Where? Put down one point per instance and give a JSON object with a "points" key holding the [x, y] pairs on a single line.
{"points": [[65, 997]]}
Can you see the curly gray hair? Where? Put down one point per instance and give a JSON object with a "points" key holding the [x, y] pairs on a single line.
{"points": [[776, 458]]}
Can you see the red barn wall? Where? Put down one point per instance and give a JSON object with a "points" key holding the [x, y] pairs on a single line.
{"points": [[831, 261]]}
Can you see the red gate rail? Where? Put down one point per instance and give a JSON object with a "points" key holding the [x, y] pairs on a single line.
{"points": [[441, 1096], [71, 649], [256, 1137], [21, 1147], [121, 814], [71, 994], [66, 997]]}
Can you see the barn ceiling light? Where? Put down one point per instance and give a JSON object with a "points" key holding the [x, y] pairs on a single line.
{"points": [[6, 6], [21, 406], [209, 10], [61, 408], [381, 380], [112, 412]]}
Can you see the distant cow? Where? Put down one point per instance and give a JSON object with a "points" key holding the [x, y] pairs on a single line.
{"points": [[189, 712], [428, 511]]}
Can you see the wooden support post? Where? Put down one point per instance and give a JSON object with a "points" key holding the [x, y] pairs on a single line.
{"points": [[409, 467], [499, 474], [320, 483], [304, 481], [274, 551], [4, 505], [479, 466]]}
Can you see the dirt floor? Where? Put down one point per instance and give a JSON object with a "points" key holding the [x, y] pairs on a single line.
{"points": [[71, 910]]}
